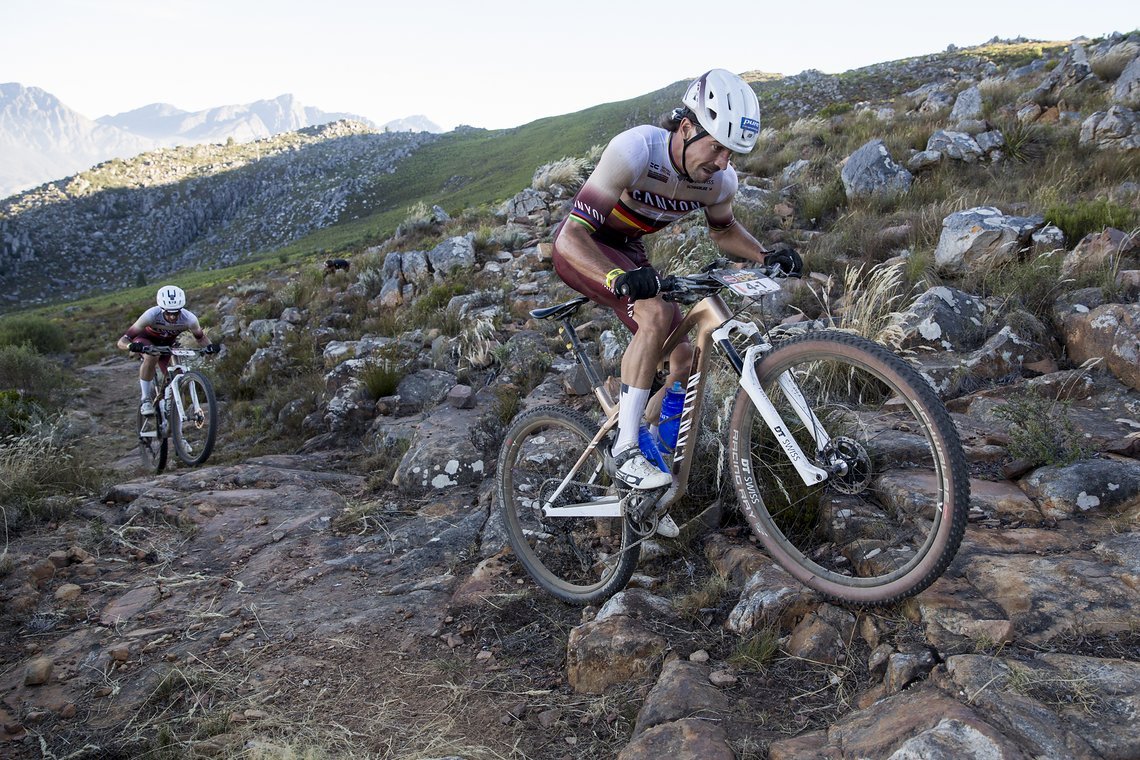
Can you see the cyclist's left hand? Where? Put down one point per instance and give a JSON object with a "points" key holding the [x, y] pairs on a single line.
{"points": [[788, 260], [212, 348]]}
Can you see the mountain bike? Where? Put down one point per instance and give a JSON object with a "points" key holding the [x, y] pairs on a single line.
{"points": [[185, 410], [843, 460]]}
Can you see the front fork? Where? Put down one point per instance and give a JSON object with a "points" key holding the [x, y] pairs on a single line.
{"points": [[810, 473]]}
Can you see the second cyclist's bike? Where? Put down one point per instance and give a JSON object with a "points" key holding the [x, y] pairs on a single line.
{"points": [[844, 461], [185, 411]]}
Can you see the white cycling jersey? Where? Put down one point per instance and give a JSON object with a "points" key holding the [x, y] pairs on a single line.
{"points": [[636, 189], [153, 326]]}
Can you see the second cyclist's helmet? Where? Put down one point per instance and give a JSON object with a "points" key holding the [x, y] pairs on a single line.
{"points": [[171, 298], [726, 108]]}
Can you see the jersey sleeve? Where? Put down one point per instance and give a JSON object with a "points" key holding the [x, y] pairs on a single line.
{"points": [[621, 163], [193, 326], [719, 214], [139, 327]]}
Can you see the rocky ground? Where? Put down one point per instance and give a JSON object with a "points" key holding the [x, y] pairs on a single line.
{"points": [[276, 607]]}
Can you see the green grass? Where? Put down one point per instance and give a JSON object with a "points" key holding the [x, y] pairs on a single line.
{"points": [[1079, 219]]}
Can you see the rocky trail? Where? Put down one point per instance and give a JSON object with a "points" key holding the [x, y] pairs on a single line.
{"points": [[275, 607]]}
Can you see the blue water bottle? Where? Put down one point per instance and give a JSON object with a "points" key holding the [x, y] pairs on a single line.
{"points": [[671, 407], [649, 448]]}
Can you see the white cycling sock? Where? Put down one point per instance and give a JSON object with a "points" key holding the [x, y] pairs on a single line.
{"points": [[631, 408], [147, 387]]}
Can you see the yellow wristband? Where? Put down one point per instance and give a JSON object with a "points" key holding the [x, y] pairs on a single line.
{"points": [[612, 275]]}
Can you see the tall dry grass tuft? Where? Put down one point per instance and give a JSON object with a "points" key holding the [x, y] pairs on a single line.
{"points": [[871, 301], [46, 462], [567, 173]]}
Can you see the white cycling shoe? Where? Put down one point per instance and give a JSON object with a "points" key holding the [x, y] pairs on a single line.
{"points": [[632, 468], [146, 409], [666, 527]]}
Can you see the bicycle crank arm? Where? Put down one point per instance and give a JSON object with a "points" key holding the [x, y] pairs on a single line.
{"points": [[751, 384], [606, 506]]}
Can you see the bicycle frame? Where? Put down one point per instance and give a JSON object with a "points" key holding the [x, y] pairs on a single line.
{"points": [[169, 386], [711, 321]]}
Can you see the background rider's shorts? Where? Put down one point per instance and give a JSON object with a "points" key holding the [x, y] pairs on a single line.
{"points": [[623, 253]]}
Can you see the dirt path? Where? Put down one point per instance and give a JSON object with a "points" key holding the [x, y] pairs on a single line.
{"points": [[109, 393]]}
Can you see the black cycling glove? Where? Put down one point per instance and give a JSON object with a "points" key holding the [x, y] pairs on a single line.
{"points": [[788, 260], [637, 285], [213, 348], [136, 347]]}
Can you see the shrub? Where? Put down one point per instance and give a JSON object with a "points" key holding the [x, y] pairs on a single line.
{"points": [[1078, 220], [1023, 142], [1041, 432], [382, 375], [834, 109], [16, 412], [45, 462], [43, 335], [32, 376], [820, 204]]}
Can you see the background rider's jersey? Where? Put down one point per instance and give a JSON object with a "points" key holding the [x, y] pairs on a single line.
{"points": [[636, 189], [153, 326]]}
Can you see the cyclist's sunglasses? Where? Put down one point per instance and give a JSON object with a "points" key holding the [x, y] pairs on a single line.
{"points": [[173, 313]]}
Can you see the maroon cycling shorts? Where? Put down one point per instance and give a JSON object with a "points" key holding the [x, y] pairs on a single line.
{"points": [[623, 254]]}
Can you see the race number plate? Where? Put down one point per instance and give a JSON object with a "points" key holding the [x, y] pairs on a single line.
{"points": [[747, 283]]}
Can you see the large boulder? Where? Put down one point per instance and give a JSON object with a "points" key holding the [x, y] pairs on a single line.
{"points": [[452, 254], [968, 105], [1110, 333], [944, 319], [1098, 250], [1118, 128], [871, 171], [983, 236], [1126, 91], [452, 447]]}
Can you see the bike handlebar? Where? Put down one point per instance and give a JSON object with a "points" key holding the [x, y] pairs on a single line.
{"points": [[169, 351], [689, 288]]}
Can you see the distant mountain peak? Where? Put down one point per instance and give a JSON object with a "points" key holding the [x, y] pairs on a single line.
{"points": [[42, 139]]}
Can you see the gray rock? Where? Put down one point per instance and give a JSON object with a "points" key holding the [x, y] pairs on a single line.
{"points": [[968, 105], [870, 170]]}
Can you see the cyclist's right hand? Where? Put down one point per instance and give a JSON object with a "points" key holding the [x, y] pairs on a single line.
{"points": [[136, 347], [639, 284]]}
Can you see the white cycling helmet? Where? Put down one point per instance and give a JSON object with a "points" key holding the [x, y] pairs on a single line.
{"points": [[726, 108], [171, 298]]}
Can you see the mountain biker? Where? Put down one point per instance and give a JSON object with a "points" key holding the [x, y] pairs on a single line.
{"points": [[647, 178], [160, 325]]}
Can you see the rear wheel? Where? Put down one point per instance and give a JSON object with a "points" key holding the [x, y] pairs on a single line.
{"points": [[888, 521], [153, 449], [577, 559], [196, 428]]}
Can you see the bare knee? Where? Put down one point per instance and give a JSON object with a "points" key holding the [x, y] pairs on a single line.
{"points": [[681, 361]]}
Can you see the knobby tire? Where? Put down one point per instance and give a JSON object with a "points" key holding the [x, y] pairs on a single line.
{"points": [[888, 528], [578, 560]]}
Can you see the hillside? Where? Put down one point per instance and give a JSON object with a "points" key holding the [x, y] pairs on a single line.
{"points": [[336, 581], [127, 222]]}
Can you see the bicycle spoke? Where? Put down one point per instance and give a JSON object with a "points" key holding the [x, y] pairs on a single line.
{"points": [[575, 558], [880, 519]]}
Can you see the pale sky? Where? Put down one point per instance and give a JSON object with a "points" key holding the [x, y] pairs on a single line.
{"points": [[487, 63]]}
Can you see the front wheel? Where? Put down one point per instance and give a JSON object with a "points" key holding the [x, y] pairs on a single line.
{"points": [[196, 427], [888, 521], [577, 559]]}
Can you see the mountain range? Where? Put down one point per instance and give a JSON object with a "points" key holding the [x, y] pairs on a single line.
{"points": [[42, 139]]}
